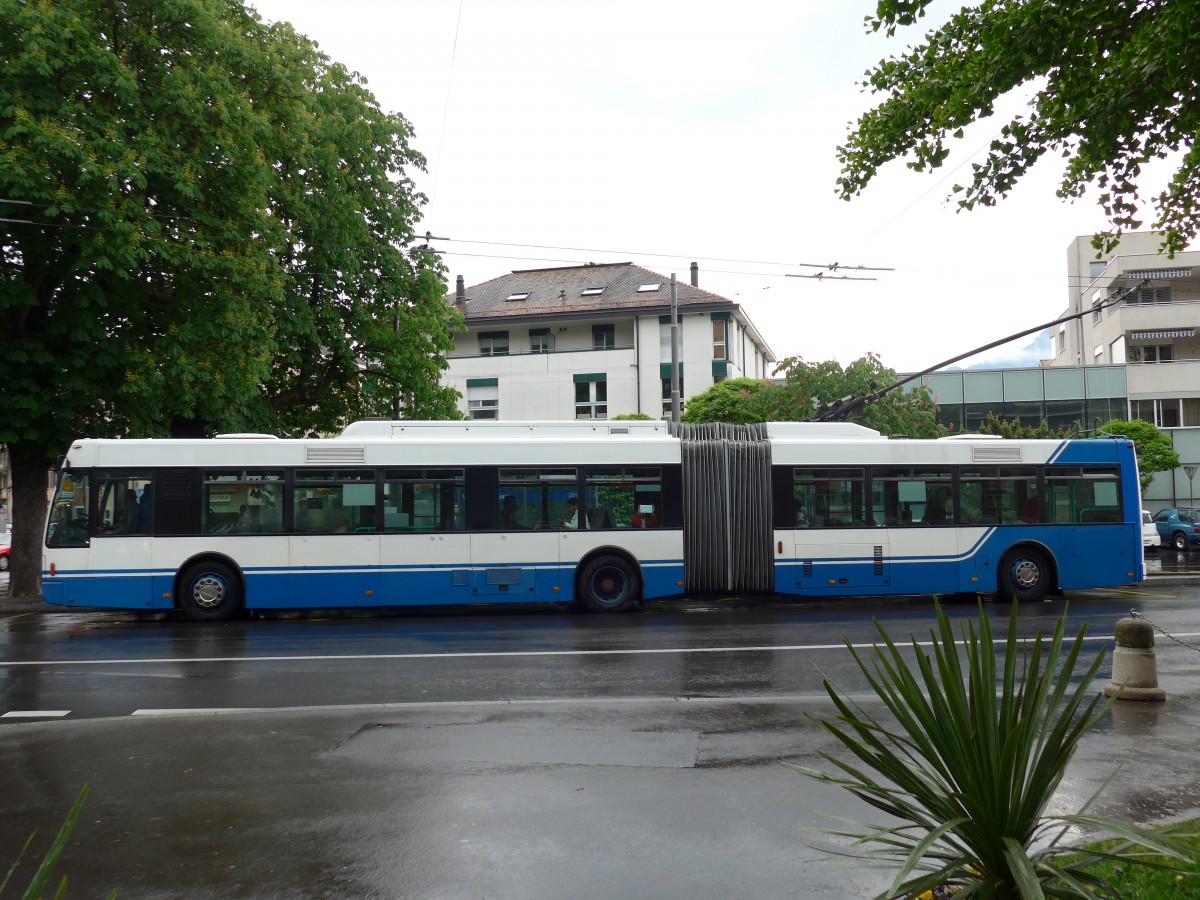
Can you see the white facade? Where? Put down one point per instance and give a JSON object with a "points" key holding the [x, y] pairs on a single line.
{"points": [[591, 342], [1151, 328]]}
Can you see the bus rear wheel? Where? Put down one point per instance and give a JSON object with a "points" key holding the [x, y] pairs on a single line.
{"points": [[608, 584], [210, 592], [1024, 574]]}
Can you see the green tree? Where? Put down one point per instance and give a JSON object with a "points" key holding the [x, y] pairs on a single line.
{"points": [[1114, 81], [728, 401], [210, 223], [907, 411], [1153, 448], [809, 387], [1014, 429]]}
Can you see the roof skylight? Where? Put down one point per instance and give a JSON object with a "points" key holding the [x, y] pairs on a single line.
{"points": [[592, 292], [646, 288], [519, 295]]}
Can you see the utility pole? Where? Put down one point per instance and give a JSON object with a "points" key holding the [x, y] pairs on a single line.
{"points": [[674, 352]]}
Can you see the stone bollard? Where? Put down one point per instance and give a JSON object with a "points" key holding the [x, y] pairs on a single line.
{"points": [[1134, 670]]}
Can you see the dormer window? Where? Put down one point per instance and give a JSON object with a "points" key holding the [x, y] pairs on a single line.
{"points": [[519, 295], [592, 292]]}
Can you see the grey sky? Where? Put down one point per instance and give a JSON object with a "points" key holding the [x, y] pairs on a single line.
{"points": [[663, 132]]}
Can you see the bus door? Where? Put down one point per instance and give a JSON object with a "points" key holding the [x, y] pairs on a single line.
{"points": [[425, 547], [334, 552], [519, 555], [839, 546], [122, 538]]}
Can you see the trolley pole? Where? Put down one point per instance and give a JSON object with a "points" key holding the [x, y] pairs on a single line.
{"points": [[674, 352]]}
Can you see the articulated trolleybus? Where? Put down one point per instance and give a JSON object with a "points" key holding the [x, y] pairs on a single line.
{"points": [[598, 514]]}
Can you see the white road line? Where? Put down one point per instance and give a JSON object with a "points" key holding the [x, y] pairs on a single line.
{"points": [[35, 714], [515, 654]]}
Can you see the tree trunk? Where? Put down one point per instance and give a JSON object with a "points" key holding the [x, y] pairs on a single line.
{"points": [[30, 498]]}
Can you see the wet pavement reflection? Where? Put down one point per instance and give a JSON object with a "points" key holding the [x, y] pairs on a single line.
{"points": [[525, 753]]}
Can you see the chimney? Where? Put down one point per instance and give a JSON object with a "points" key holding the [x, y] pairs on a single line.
{"points": [[460, 293], [695, 275]]}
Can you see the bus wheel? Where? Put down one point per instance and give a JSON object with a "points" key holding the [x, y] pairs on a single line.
{"points": [[1024, 574], [210, 592], [608, 584]]}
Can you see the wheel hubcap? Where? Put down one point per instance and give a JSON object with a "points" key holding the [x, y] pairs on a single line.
{"points": [[1025, 574], [609, 586], [209, 591]]}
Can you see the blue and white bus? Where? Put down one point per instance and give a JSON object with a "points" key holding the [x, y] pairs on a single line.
{"points": [[598, 514]]}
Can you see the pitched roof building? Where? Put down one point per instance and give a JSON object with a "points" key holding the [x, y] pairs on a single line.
{"points": [[593, 341]]}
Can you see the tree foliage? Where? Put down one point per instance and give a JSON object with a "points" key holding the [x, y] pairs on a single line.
{"points": [[1116, 82], [212, 218], [1153, 447], [809, 386], [1015, 429], [729, 401]]}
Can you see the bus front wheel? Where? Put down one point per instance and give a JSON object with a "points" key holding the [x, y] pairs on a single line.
{"points": [[210, 592], [1024, 574], [608, 584]]}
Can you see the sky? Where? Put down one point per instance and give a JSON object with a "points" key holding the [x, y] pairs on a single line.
{"points": [[663, 132]]}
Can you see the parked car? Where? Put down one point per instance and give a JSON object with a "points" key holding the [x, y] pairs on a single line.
{"points": [[5, 550], [1151, 539], [1177, 527]]}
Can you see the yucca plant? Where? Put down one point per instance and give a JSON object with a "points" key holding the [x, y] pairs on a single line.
{"points": [[970, 764], [41, 876]]}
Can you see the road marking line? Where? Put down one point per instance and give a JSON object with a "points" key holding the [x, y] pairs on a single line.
{"points": [[35, 714], [501, 654]]}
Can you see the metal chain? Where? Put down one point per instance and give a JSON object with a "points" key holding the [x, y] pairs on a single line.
{"points": [[1137, 615]]}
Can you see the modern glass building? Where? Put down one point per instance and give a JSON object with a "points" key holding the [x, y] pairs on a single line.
{"points": [[1060, 396]]}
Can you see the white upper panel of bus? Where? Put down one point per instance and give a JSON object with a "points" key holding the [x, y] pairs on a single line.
{"points": [[524, 444]]}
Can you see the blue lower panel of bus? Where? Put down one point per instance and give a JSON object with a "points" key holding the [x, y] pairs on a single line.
{"points": [[276, 588], [1079, 557]]}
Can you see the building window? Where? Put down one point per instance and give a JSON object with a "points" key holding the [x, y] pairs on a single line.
{"points": [[604, 337], [493, 343], [1149, 296], [1098, 355], [666, 394], [540, 340], [719, 338], [1062, 338], [483, 398], [664, 339], [591, 292], [1156, 353], [591, 399], [519, 295]]}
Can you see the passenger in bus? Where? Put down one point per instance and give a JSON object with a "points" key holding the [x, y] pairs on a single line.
{"points": [[571, 519], [341, 524], [508, 514], [646, 516], [936, 512], [1029, 512]]}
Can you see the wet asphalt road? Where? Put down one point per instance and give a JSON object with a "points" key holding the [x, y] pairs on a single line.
{"points": [[526, 754]]}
